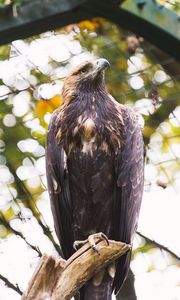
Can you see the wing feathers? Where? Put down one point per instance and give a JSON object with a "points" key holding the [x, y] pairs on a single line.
{"points": [[58, 187], [130, 165]]}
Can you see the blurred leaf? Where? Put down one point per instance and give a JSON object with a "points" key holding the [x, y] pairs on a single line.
{"points": [[8, 214], [4, 52], [44, 106]]}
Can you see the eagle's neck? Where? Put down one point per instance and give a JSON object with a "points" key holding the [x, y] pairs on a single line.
{"points": [[91, 121]]}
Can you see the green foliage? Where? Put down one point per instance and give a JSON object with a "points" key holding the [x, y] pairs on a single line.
{"points": [[4, 52], [8, 2]]}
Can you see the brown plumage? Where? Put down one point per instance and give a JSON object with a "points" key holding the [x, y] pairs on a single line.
{"points": [[94, 160]]}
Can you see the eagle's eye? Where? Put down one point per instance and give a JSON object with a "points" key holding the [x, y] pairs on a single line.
{"points": [[84, 70]]}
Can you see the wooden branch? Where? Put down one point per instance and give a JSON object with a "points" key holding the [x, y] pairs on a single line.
{"points": [[158, 245], [10, 285], [56, 278]]}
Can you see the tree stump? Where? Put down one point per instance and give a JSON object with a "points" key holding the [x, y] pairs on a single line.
{"points": [[56, 278]]}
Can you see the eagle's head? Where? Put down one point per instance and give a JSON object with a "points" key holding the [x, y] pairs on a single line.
{"points": [[84, 78], [88, 115]]}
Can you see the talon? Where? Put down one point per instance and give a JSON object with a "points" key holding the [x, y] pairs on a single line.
{"points": [[78, 244], [96, 249], [93, 238], [105, 238], [75, 246]]}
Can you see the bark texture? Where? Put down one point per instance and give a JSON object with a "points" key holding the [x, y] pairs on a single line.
{"points": [[56, 278]]}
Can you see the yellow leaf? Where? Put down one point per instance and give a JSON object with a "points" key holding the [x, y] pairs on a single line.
{"points": [[44, 106]]}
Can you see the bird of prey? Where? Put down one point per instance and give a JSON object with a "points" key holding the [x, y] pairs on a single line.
{"points": [[94, 161]]}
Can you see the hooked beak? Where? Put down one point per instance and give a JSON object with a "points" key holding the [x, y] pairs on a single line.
{"points": [[101, 64]]}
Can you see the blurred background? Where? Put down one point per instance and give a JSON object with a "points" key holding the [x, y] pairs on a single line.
{"points": [[141, 76]]}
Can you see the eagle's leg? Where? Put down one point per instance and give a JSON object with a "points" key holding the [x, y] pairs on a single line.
{"points": [[92, 239]]}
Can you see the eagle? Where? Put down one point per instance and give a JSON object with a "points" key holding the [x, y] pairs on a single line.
{"points": [[95, 167]]}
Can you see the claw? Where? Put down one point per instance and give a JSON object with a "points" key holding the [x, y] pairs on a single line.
{"points": [[92, 239], [92, 242], [96, 249], [104, 237], [78, 244], [75, 246]]}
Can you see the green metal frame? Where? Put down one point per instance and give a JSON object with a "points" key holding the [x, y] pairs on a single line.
{"points": [[156, 23]]}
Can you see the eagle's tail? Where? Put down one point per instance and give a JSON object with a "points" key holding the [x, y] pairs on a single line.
{"points": [[94, 290]]}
